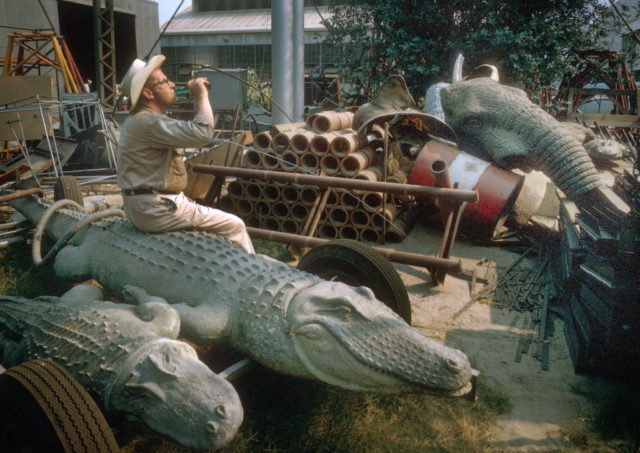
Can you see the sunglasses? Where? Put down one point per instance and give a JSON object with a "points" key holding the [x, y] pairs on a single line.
{"points": [[159, 82]]}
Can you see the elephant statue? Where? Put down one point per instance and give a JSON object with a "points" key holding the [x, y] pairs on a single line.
{"points": [[499, 123]]}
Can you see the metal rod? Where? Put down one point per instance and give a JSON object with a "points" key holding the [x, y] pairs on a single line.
{"points": [[19, 194], [345, 183], [450, 265]]}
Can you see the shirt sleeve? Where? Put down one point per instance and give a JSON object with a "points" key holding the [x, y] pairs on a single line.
{"points": [[162, 131]]}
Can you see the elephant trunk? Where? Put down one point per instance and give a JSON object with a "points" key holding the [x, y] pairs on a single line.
{"points": [[564, 160]]}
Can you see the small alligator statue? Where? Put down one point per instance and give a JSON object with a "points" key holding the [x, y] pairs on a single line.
{"points": [[128, 358], [284, 318]]}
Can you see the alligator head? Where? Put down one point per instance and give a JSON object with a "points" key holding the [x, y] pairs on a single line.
{"points": [[172, 392], [344, 336]]}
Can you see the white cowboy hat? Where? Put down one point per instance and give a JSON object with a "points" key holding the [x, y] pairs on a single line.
{"points": [[137, 75]]}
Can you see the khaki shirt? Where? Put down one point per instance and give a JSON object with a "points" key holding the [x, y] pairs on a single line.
{"points": [[148, 157]]}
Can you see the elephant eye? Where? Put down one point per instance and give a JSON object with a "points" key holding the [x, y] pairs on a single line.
{"points": [[473, 123]]}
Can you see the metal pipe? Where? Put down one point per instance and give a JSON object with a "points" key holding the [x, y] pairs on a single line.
{"points": [[450, 265], [281, 58], [345, 183], [298, 60]]}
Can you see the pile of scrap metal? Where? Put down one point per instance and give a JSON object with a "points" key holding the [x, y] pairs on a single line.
{"points": [[385, 141], [599, 226], [598, 265]]}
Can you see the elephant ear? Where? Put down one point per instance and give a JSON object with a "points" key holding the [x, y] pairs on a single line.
{"points": [[505, 148]]}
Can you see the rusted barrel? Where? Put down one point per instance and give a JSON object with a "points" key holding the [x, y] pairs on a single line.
{"points": [[497, 188]]}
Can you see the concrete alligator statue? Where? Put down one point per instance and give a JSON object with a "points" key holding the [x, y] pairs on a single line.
{"points": [[499, 123], [284, 318], [127, 357]]}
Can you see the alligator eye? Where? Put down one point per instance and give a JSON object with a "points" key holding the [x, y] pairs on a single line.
{"points": [[311, 335], [453, 365]]}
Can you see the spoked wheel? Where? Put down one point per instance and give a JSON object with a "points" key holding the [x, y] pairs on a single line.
{"points": [[45, 409], [67, 187], [357, 264]]}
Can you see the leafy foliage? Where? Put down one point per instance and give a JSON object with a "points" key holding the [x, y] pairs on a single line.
{"points": [[531, 43]]}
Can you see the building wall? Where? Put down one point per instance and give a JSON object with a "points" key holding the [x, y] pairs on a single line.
{"points": [[28, 14]]}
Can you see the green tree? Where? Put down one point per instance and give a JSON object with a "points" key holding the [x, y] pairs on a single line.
{"points": [[531, 43]]}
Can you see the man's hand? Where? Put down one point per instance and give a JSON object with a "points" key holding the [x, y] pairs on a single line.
{"points": [[198, 87]]}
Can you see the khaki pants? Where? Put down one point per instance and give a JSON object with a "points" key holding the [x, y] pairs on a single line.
{"points": [[156, 213]]}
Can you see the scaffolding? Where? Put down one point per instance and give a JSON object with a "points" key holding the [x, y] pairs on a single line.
{"points": [[38, 49]]}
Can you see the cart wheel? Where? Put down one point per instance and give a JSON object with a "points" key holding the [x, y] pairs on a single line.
{"points": [[357, 264], [67, 186], [45, 409]]}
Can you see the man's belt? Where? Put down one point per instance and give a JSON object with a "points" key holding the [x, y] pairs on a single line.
{"points": [[130, 192]]}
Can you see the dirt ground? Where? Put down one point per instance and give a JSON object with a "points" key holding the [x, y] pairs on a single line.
{"points": [[542, 401]]}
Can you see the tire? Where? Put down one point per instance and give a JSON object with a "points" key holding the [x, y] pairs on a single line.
{"points": [[45, 409], [67, 186], [357, 264]]}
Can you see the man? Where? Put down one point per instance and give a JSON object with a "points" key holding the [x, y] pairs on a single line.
{"points": [[151, 171]]}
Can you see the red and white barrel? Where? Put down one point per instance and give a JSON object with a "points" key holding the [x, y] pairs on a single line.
{"points": [[497, 188]]}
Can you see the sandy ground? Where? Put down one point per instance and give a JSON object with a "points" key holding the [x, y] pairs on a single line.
{"points": [[542, 401]]}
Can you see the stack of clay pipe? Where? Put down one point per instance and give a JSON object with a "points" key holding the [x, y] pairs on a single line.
{"points": [[324, 145]]}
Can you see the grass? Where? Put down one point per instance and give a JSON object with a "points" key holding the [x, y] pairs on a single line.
{"points": [[285, 414]]}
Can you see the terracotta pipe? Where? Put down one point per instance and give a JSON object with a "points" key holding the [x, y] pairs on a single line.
{"points": [[290, 161], [262, 141], [349, 200], [327, 231], [321, 144], [345, 183], [252, 159], [397, 232], [330, 164], [360, 218], [332, 199], [345, 143], [271, 192], [20, 194], [261, 208], [388, 214], [236, 189], [299, 211], [269, 161], [290, 226], [348, 232], [253, 191], [243, 207], [357, 161], [372, 174], [252, 221], [338, 216], [309, 162], [282, 141], [280, 209], [309, 195], [290, 194], [271, 223], [369, 235], [309, 120], [332, 121], [373, 200], [301, 141], [226, 204]]}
